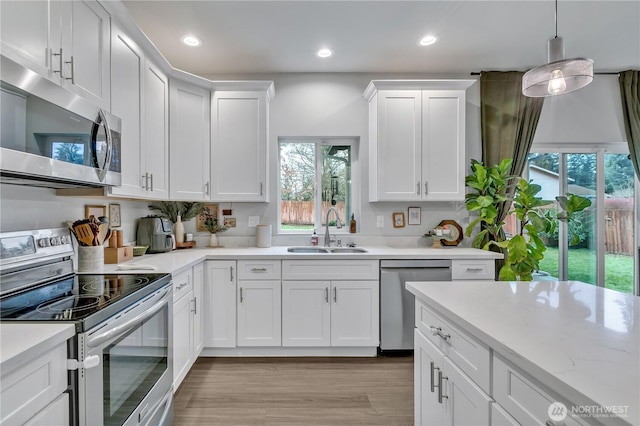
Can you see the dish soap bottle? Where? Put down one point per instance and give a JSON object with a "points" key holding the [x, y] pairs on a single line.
{"points": [[314, 238], [352, 224]]}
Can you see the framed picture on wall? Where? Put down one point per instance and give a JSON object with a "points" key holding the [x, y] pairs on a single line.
{"points": [[414, 216], [209, 210], [115, 219], [398, 220], [95, 211]]}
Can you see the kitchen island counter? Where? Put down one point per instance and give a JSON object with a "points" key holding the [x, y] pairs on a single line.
{"points": [[579, 340]]}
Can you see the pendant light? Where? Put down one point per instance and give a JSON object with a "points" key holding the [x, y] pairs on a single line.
{"points": [[559, 75]]}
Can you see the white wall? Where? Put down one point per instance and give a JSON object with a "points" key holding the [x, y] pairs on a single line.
{"points": [[332, 105]]}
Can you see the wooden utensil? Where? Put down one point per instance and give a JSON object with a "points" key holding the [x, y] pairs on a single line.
{"points": [[83, 233], [103, 229]]}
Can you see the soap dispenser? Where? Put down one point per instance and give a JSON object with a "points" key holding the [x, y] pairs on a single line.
{"points": [[314, 238], [352, 224]]}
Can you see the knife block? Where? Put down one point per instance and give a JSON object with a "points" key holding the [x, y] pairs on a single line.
{"points": [[118, 255]]}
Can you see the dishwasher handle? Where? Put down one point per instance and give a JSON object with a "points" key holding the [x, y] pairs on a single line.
{"points": [[418, 263]]}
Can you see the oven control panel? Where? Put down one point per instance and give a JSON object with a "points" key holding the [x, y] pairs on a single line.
{"points": [[28, 246]]}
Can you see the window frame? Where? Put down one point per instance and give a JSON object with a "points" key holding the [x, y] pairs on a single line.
{"points": [[318, 141]]}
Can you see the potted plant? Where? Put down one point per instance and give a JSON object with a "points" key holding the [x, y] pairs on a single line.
{"points": [[214, 227], [173, 209], [524, 251]]}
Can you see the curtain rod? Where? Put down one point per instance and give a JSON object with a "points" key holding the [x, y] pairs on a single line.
{"points": [[595, 73]]}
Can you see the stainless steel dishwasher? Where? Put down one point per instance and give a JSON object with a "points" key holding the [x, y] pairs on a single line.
{"points": [[397, 305]]}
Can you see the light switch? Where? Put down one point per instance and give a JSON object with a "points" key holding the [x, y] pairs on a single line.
{"points": [[254, 221], [380, 221]]}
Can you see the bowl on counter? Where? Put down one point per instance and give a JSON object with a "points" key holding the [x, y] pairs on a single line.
{"points": [[140, 250]]}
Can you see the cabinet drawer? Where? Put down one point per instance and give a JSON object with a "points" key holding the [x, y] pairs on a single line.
{"points": [[182, 283], [330, 269], [259, 270], [473, 269], [468, 354], [31, 387], [521, 398]]}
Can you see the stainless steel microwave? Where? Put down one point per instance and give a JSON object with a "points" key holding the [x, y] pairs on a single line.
{"points": [[52, 137]]}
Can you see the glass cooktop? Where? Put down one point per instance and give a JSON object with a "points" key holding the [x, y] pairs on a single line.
{"points": [[83, 299]]}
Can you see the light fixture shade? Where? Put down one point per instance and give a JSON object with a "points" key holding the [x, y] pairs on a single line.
{"points": [[576, 72]]}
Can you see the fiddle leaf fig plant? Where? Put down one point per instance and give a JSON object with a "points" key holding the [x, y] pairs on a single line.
{"points": [[524, 251]]}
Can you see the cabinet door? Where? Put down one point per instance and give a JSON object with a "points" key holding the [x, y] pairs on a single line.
{"points": [[443, 145], [189, 141], [427, 364], [182, 338], [239, 146], [196, 309], [220, 304], [85, 42], [355, 313], [465, 403], [24, 33], [306, 313], [156, 133], [397, 171], [259, 313], [127, 60]]}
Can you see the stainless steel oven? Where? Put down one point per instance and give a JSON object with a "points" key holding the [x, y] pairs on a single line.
{"points": [[120, 371]]}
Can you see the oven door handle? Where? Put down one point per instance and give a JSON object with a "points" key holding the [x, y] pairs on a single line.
{"points": [[99, 339]]}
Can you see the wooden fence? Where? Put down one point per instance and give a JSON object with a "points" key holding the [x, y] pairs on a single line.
{"points": [[301, 212]]}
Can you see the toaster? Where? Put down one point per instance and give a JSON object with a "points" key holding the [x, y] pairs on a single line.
{"points": [[155, 232]]}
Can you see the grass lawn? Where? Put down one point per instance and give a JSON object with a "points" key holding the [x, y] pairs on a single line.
{"points": [[618, 270]]}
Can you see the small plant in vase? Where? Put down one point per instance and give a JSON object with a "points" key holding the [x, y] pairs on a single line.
{"points": [[214, 227]]}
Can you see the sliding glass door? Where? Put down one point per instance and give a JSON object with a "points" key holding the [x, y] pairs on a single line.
{"points": [[604, 255]]}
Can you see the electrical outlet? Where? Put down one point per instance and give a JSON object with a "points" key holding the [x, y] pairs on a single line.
{"points": [[380, 221], [254, 221]]}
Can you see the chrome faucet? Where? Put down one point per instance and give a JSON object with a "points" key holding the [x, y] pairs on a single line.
{"points": [[327, 237]]}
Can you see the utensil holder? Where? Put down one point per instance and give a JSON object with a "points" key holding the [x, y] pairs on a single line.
{"points": [[90, 258], [263, 236]]}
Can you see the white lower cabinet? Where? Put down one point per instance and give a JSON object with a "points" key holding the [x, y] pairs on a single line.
{"points": [[187, 321], [443, 393], [259, 313], [334, 311], [220, 304]]}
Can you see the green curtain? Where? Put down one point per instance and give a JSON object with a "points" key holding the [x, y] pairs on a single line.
{"points": [[630, 93], [508, 121]]}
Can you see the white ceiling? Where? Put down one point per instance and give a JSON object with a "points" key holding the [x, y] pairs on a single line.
{"points": [[255, 37]]}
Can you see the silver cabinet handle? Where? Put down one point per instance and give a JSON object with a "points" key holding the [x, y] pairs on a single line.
{"points": [[258, 269], [145, 178], [335, 294], [206, 188], [195, 306], [261, 188], [60, 61], [426, 188], [151, 176], [241, 297], [326, 294], [231, 271], [437, 331], [440, 394], [433, 383], [181, 286], [475, 269], [73, 71], [418, 188]]}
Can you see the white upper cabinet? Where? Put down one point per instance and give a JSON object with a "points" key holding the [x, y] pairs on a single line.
{"points": [[155, 132], [127, 62], [189, 112], [239, 142], [65, 41], [417, 139]]}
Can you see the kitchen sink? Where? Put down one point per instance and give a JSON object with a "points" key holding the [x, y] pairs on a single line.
{"points": [[347, 250], [325, 250], [307, 250]]}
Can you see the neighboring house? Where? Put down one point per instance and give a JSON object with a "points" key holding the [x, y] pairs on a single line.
{"points": [[548, 180]]}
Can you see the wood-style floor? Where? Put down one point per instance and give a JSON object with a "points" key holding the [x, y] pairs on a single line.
{"points": [[297, 391]]}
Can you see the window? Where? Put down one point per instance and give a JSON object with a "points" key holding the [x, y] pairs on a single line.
{"points": [[605, 254], [315, 175]]}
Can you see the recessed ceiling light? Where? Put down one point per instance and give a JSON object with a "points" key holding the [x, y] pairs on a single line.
{"points": [[324, 52], [428, 40], [190, 40]]}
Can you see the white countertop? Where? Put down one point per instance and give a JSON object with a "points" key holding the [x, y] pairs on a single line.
{"points": [[578, 339], [20, 343], [176, 260]]}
